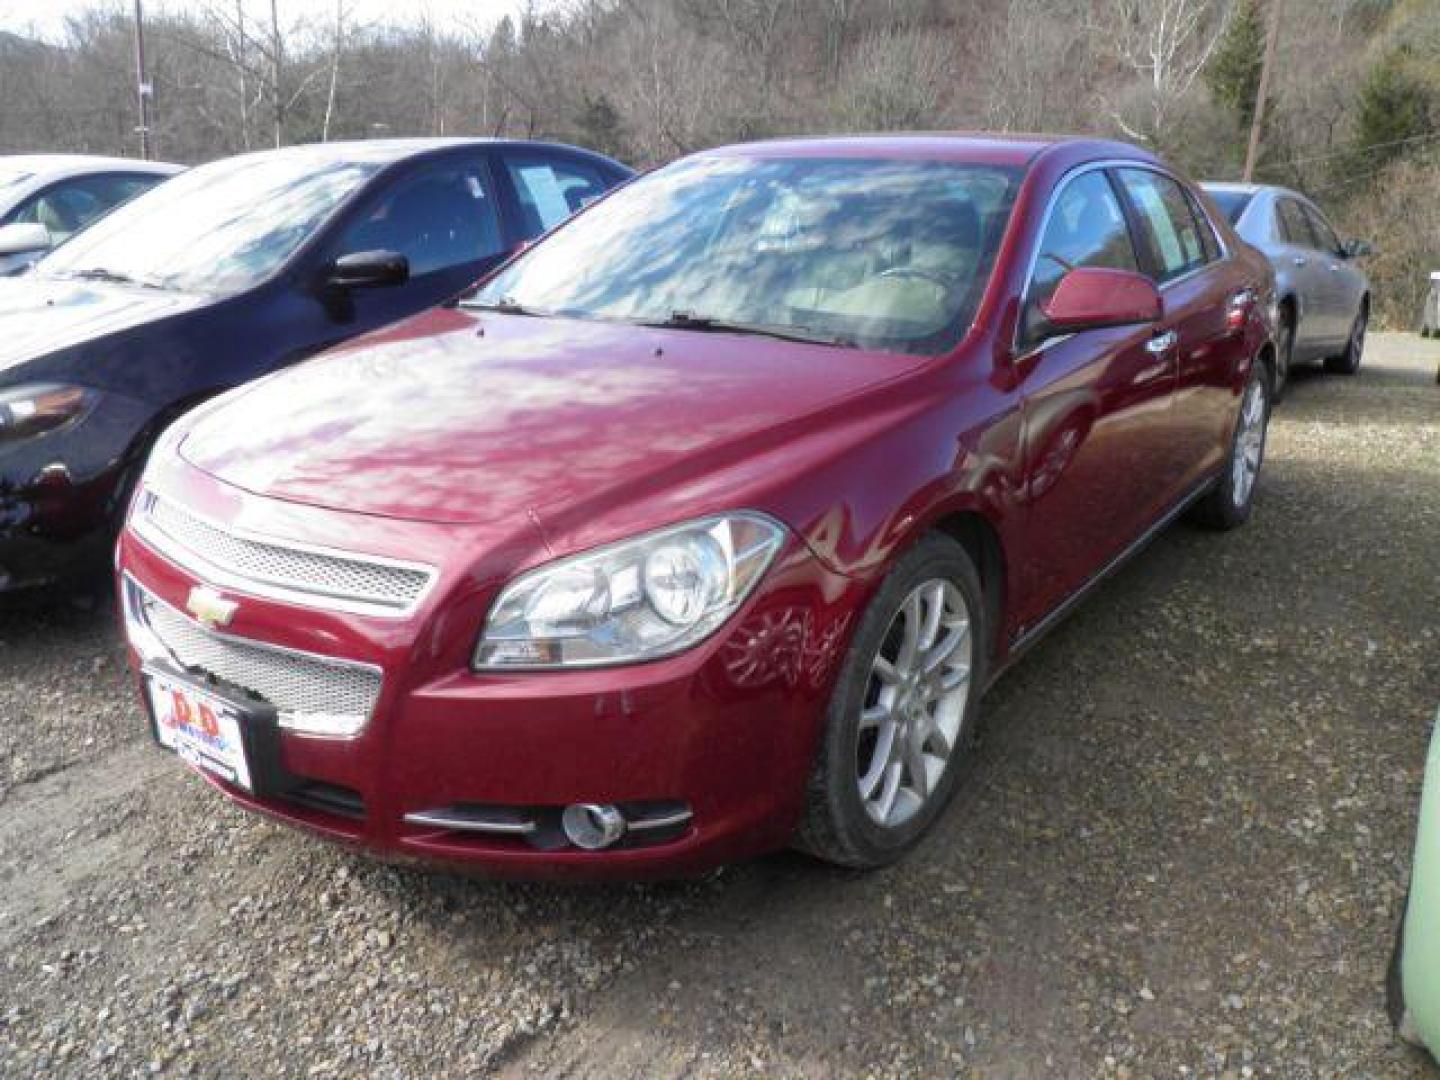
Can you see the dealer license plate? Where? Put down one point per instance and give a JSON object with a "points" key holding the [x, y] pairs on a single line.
{"points": [[200, 727]]}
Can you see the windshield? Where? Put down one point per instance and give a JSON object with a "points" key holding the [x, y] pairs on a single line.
{"points": [[217, 229], [11, 179], [882, 254], [1231, 203]]}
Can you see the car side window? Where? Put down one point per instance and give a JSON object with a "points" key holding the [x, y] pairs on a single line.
{"points": [[1208, 239], [439, 216], [1293, 226], [69, 206], [1325, 237], [1167, 222], [550, 189], [1086, 227]]}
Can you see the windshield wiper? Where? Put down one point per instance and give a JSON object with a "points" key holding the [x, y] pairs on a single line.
{"points": [[685, 320], [505, 305], [100, 273]]}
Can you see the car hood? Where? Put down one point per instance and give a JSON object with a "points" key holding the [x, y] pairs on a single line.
{"points": [[470, 417], [39, 316]]}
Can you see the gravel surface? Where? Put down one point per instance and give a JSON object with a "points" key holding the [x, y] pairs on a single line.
{"points": [[1183, 852]]}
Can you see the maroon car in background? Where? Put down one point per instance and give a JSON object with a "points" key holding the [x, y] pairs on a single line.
{"points": [[701, 529]]}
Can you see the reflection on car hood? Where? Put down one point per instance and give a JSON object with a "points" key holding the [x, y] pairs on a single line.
{"points": [[467, 417], [39, 316]]}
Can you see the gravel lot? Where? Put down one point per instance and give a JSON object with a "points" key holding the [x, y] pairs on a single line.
{"points": [[1183, 854]]}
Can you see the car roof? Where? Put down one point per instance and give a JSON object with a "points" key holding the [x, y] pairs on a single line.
{"points": [[386, 151], [959, 146], [1251, 189], [70, 164]]}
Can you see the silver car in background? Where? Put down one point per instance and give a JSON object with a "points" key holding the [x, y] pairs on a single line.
{"points": [[46, 198], [1324, 296]]}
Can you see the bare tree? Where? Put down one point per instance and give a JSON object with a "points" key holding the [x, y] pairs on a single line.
{"points": [[1164, 44], [337, 46]]}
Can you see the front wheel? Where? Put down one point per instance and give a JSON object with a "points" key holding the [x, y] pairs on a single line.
{"points": [[1228, 503], [901, 724]]}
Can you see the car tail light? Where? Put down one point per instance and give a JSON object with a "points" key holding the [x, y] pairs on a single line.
{"points": [[1237, 313]]}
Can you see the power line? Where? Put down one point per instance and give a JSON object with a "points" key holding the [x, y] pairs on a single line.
{"points": [[1331, 155]]}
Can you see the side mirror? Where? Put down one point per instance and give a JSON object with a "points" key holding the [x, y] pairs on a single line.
{"points": [[21, 237], [368, 270], [1356, 249], [1091, 298]]}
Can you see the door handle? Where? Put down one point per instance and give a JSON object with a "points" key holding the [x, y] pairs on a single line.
{"points": [[1160, 344], [1300, 260]]}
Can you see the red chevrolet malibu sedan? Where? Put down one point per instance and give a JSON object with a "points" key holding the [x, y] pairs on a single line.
{"points": [[702, 526]]}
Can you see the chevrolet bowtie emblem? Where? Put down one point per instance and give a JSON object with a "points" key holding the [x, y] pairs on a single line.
{"points": [[210, 608]]}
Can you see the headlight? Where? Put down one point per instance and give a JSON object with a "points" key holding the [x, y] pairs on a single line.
{"points": [[40, 407], [636, 600]]}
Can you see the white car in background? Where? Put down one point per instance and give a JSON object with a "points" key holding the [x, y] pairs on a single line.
{"points": [[47, 198]]}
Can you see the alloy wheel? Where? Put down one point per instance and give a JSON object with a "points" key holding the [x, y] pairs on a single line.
{"points": [[1282, 362], [1357, 339], [915, 703], [1249, 449]]}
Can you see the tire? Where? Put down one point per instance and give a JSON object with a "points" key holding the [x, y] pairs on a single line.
{"points": [[1348, 362], [842, 824], [1284, 356], [1228, 504], [1395, 987]]}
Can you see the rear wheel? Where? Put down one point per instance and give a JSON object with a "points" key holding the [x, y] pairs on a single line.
{"points": [[900, 726], [1348, 362], [1228, 503], [1284, 354]]}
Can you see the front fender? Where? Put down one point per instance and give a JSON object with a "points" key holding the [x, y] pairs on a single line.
{"points": [[1420, 962]]}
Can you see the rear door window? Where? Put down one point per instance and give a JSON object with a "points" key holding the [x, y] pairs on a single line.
{"points": [[1208, 239], [1231, 203], [1293, 225], [551, 188], [1167, 221], [1086, 227]]}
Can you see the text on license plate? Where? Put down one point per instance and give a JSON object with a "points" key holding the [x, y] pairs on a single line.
{"points": [[201, 729]]}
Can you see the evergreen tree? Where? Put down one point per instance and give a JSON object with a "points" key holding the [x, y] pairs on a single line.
{"points": [[1233, 73], [1395, 110]]}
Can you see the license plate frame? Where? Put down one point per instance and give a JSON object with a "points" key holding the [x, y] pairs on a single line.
{"points": [[207, 727]]}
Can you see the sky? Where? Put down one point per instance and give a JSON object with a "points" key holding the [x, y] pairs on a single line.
{"points": [[47, 16]]}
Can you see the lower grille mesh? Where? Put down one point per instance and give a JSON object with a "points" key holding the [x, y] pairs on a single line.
{"points": [[310, 693]]}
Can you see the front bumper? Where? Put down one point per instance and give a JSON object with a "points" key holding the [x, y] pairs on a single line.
{"points": [[725, 732], [60, 495], [1420, 962]]}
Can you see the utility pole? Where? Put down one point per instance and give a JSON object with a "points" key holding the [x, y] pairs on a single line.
{"points": [[1272, 35], [277, 44], [143, 90]]}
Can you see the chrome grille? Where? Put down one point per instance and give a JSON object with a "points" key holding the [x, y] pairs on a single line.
{"points": [[311, 693], [326, 579]]}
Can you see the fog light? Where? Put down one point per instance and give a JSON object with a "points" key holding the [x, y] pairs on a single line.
{"points": [[592, 827]]}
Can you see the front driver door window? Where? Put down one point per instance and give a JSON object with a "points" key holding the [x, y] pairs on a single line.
{"points": [[441, 217], [1086, 228]]}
